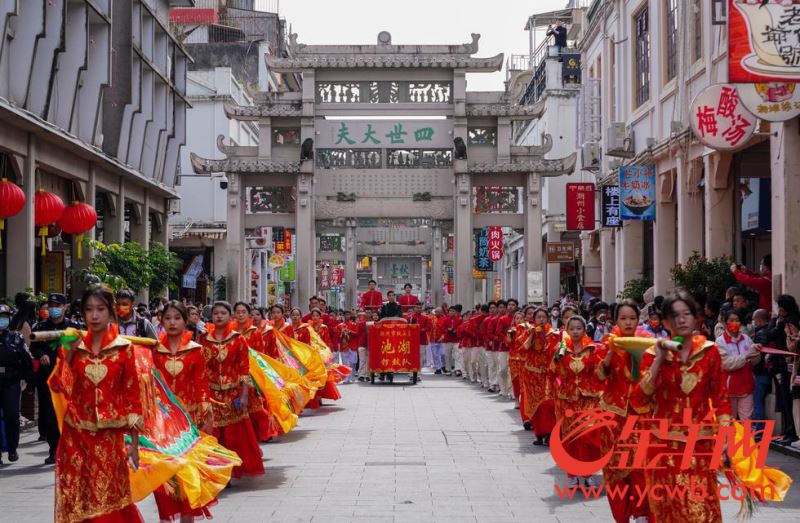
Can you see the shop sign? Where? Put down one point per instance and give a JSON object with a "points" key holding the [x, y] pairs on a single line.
{"points": [[330, 243], [560, 252], [478, 275], [482, 261], [535, 282], [498, 289], [282, 240], [763, 41], [773, 101], [276, 261], [287, 271], [580, 206], [52, 272], [495, 244], [719, 119], [637, 184], [609, 207]]}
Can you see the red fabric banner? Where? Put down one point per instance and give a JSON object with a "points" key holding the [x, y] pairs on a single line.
{"points": [[394, 347]]}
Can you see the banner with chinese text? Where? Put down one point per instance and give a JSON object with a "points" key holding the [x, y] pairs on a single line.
{"points": [[637, 184], [763, 41], [609, 208], [495, 244], [580, 206], [393, 347], [481, 256]]}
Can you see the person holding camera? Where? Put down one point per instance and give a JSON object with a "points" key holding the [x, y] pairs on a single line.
{"points": [[559, 34], [15, 366]]}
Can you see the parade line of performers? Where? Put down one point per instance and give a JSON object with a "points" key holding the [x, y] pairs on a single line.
{"points": [[175, 416], [180, 416]]}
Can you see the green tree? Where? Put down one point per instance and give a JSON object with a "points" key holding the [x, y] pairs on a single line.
{"points": [[130, 265], [634, 289], [704, 276]]}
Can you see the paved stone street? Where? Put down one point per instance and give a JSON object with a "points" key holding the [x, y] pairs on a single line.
{"points": [[440, 451]]}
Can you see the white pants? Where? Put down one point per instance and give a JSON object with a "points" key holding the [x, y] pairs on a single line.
{"points": [[742, 405], [458, 357], [363, 362], [349, 359], [482, 366], [449, 356], [491, 368], [503, 374], [437, 351], [424, 356]]}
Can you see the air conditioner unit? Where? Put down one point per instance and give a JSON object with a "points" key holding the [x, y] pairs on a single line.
{"points": [[614, 164], [174, 205], [620, 140], [591, 156]]}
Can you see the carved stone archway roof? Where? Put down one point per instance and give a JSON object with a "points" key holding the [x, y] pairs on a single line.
{"points": [[395, 61], [254, 112], [541, 166], [242, 165]]}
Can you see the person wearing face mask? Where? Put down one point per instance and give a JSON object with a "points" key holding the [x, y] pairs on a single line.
{"points": [[45, 354], [130, 322], [598, 327], [655, 325], [738, 354], [15, 366]]}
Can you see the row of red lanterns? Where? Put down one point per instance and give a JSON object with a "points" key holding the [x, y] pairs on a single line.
{"points": [[77, 218]]}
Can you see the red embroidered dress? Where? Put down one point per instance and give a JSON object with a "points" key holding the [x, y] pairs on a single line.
{"points": [[696, 384], [537, 379], [185, 373], [228, 367], [104, 402], [579, 389]]}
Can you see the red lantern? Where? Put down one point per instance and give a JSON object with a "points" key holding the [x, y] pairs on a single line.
{"points": [[48, 209], [77, 219], [12, 200]]}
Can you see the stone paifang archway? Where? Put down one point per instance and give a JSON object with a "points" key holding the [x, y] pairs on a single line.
{"points": [[382, 120]]}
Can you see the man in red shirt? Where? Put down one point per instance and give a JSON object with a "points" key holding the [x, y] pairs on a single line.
{"points": [[440, 323], [452, 355], [761, 283], [417, 317], [361, 343], [407, 300], [372, 300], [502, 326]]}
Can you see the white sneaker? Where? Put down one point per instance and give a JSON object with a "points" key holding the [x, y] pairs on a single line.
{"points": [[573, 481], [589, 481], [795, 444], [640, 519]]}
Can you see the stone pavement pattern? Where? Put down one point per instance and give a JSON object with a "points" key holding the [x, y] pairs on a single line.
{"points": [[441, 451]]}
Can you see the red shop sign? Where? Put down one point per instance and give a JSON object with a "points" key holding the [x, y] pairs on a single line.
{"points": [[580, 206], [495, 243]]}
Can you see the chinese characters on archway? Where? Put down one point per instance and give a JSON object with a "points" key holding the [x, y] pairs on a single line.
{"points": [[399, 134]]}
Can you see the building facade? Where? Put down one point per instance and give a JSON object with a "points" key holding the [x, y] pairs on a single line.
{"points": [[644, 63], [92, 100], [383, 160]]}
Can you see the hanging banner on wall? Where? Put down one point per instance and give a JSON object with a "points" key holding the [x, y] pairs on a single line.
{"points": [[637, 187], [763, 41], [719, 119], [773, 102], [609, 206], [495, 244], [482, 261], [580, 206]]}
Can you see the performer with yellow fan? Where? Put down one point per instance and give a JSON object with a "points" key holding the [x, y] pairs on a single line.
{"points": [[97, 381]]}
